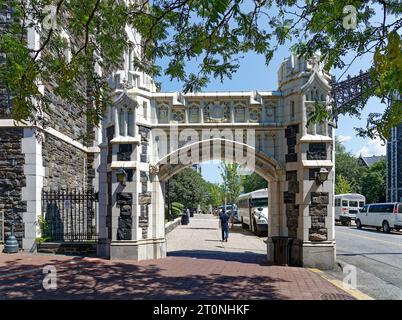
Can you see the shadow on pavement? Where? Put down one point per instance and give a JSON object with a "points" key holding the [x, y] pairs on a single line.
{"points": [[103, 279], [246, 256]]}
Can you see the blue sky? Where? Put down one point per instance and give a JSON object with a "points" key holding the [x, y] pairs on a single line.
{"points": [[253, 74]]}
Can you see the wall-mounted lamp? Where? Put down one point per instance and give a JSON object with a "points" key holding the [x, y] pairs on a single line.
{"points": [[121, 176], [321, 176]]}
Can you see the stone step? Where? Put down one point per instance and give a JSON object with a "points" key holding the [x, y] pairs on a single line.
{"points": [[79, 248]]}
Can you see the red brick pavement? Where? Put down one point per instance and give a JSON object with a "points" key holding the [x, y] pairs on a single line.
{"points": [[176, 277]]}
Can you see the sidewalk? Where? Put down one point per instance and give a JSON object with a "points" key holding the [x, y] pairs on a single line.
{"points": [[198, 266]]}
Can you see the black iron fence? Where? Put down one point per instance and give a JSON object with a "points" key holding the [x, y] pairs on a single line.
{"points": [[1, 227], [69, 215]]}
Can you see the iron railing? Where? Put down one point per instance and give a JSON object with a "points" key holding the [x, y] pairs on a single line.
{"points": [[69, 215], [1, 227]]}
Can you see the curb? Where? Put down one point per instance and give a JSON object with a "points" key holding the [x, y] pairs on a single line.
{"points": [[357, 294]]}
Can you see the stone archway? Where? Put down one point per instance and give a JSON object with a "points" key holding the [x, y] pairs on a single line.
{"points": [[285, 150], [265, 166]]}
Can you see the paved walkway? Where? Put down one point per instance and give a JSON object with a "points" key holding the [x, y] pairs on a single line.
{"points": [[198, 266]]}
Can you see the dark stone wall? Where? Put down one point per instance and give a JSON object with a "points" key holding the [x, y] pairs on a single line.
{"points": [[12, 180], [125, 201], [5, 99], [69, 119], [144, 200], [144, 133], [65, 165], [317, 151], [318, 211], [290, 135], [292, 209]]}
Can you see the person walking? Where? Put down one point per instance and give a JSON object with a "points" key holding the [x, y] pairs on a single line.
{"points": [[224, 225]]}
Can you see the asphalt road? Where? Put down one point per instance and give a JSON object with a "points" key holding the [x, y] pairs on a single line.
{"points": [[377, 257]]}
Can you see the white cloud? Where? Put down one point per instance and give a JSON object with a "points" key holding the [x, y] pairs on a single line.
{"points": [[342, 138], [373, 148]]}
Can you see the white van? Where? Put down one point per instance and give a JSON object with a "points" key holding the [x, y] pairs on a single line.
{"points": [[387, 216], [347, 206]]}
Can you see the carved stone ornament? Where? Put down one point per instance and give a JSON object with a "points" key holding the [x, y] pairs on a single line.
{"points": [[163, 113], [216, 112], [178, 115], [194, 112], [255, 115], [153, 169]]}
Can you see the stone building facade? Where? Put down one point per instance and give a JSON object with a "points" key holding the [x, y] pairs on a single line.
{"points": [[147, 136], [62, 155], [394, 165], [150, 136]]}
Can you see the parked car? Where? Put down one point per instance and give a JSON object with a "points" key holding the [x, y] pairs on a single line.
{"points": [[387, 216]]}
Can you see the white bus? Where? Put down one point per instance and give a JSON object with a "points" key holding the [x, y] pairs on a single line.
{"points": [[253, 211], [347, 206]]}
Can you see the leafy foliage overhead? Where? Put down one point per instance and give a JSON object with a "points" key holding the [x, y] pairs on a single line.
{"points": [[214, 33]]}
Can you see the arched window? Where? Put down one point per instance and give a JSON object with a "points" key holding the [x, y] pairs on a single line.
{"points": [[122, 122], [130, 123], [145, 110]]}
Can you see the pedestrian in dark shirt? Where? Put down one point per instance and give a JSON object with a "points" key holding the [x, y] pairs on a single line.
{"points": [[224, 224]]}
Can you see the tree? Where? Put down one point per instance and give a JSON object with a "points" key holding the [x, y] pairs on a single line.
{"points": [[187, 188], [253, 182], [215, 194], [373, 183], [347, 167], [215, 33], [342, 185], [231, 181]]}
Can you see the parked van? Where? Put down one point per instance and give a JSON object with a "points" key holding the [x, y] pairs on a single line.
{"points": [[347, 206], [387, 216]]}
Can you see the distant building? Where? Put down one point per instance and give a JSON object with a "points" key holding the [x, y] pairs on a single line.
{"points": [[369, 161], [394, 165]]}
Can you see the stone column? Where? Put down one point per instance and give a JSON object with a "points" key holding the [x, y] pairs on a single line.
{"points": [[276, 214], [116, 123], [202, 112], [125, 126], [31, 147]]}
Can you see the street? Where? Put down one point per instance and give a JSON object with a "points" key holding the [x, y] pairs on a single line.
{"points": [[377, 257]]}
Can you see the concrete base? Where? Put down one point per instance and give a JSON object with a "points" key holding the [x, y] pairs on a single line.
{"points": [[133, 250], [29, 245], [320, 255]]}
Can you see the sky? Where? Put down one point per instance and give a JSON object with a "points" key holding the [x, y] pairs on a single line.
{"points": [[253, 74]]}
